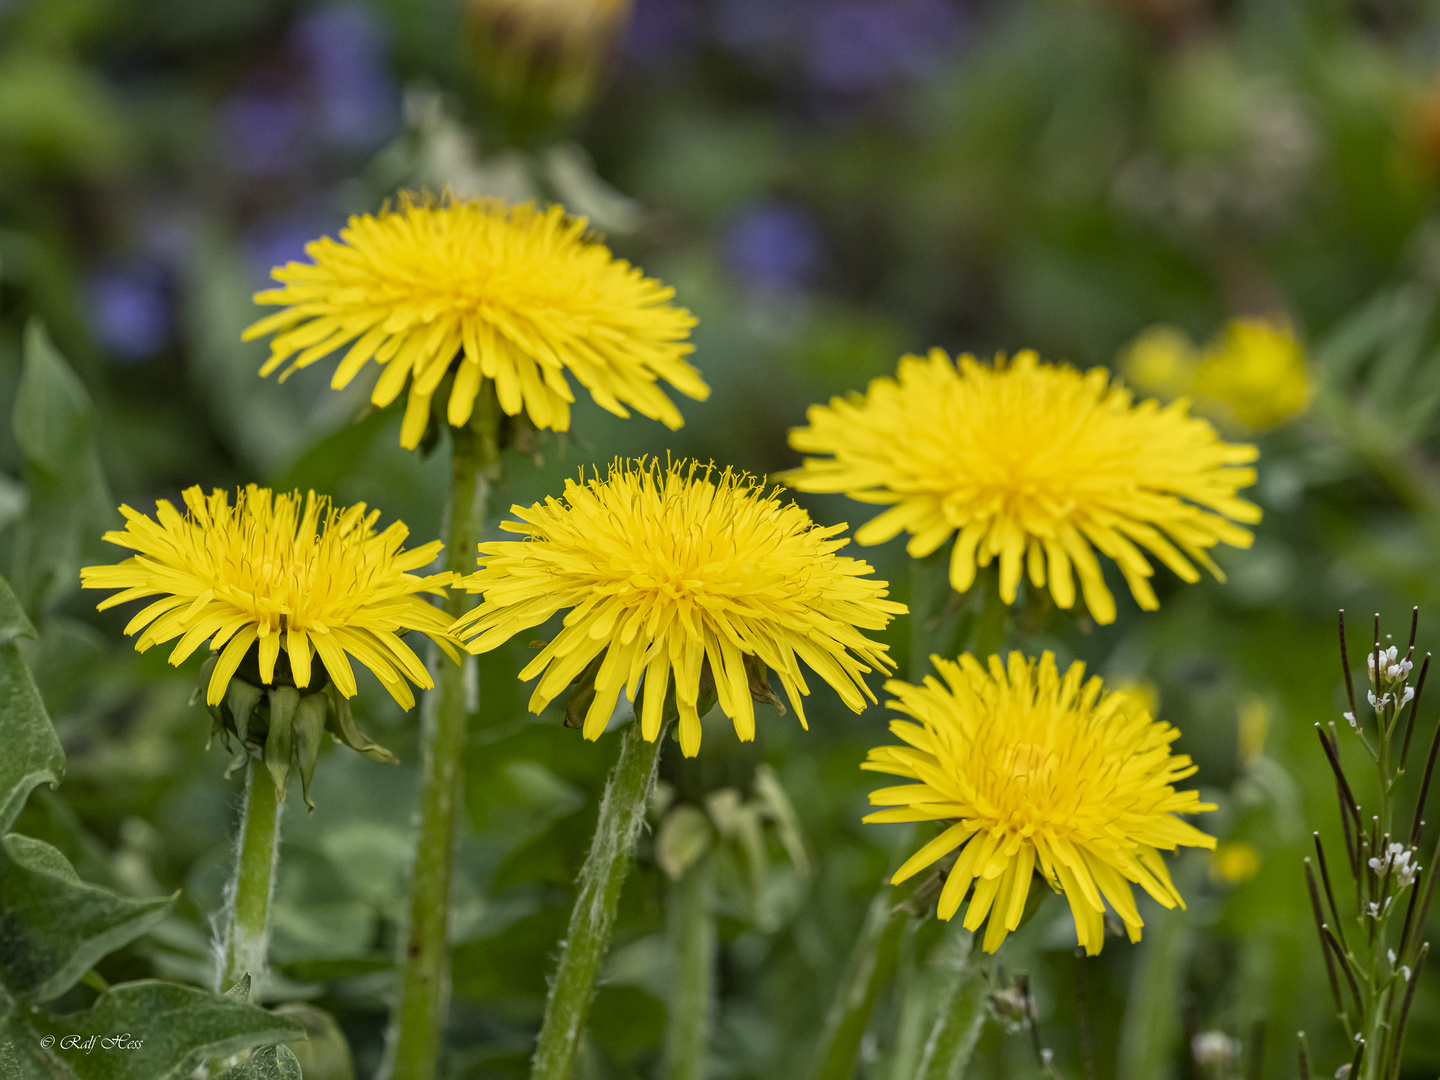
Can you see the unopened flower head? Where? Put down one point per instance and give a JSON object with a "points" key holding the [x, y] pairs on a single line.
{"points": [[680, 569], [513, 294], [278, 573], [1036, 465], [1037, 770]]}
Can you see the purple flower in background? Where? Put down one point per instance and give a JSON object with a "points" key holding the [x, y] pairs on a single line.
{"points": [[857, 46], [661, 32], [842, 46], [345, 52], [773, 248], [266, 131], [275, 241], [129, 309], [335, 89]]}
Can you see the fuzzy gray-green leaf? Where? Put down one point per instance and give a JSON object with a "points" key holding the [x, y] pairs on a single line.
{"points": [[53, 926], [175, 1027]]}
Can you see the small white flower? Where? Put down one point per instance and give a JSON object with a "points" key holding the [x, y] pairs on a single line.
{"points": [[1405, 971], [1391, 954], [1214, 1049], [1350, 716], [1407, 697]]}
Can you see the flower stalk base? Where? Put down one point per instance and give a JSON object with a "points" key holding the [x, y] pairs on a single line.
{"points": [[247, 898], [622, 812]]}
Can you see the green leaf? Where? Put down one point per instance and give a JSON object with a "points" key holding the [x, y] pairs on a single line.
{"points": [[22, 1057], [174, 1026], [14, 623], [32, 753], [53, 926], [53, 413], [266, 1063]]}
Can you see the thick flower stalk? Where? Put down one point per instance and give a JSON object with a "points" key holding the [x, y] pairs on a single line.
{"points": [[680, 572], [277, 574], [513, 294], [1037, 771], [1036, 465]]}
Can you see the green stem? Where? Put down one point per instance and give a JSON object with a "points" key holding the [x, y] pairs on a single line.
{"points": [[247, 900], [425, 979], [961, 1019], [915, 999], [622, 812], [872, 962], [692, 937]]}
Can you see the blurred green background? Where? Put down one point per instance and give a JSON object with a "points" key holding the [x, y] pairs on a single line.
{"points": [[827, 184]]}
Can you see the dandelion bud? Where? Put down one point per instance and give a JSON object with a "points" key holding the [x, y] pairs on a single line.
{"points": [[539, 60]]}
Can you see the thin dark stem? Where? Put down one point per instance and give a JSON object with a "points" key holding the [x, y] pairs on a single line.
{"points": [[1329, 892], [1329, 938], [1377, 654], [1425, 787], [1348, 808], [1356, 1061], [1410, 923], [1320, 929], [1304, 1056], [1414, 626], [1414, 709], [1345, 666], [1404, 1017]]}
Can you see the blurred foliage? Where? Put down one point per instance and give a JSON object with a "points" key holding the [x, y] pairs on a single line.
{"points": [[827, 184]]}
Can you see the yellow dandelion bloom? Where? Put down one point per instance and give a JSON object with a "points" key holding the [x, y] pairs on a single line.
{"points": [[1035, 464], [278, 572], [1037, 771], [1234, 864], [1255, 373], [680, 570], [513, 294]]}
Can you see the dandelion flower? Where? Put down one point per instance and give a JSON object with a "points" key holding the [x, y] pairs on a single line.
{"points": [[1035, 464], [1037, 770], [1253, 375], [517, 295], [278, 572], [679, 570]]}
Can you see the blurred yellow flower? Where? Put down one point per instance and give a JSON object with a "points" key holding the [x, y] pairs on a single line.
{"points": [[1256, 372], [1234, 864], [1035, 464], [1160, 361], [1036, 770], [1252, 375], [278, 572], [680, 569], [513, 294]]}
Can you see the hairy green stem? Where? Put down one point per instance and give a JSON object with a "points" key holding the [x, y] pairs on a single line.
{"points": [[961, 1018], [692, 990], [425, 979], [622, 812], [247, 898], [872, 963]]}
